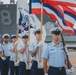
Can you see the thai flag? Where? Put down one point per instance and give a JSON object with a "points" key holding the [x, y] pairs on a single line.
{"points": [[57, 13]]}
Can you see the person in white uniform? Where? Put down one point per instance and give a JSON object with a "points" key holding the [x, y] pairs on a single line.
{"points": [[22, 54], [36, 48], [0, 56], [6, 46], [13, 59], [55, 55]]}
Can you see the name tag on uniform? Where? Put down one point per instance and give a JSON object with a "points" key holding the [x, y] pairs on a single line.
{"points": [[51, 49], [62, 48]]}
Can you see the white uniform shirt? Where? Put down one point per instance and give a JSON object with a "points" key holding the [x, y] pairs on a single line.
{"points": [[0, 47], [32, 47], [13, 54], [22, 56], [6, 48], [55, 55]]}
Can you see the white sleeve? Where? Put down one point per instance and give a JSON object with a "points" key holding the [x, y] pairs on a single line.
{"points": [[45, 53], [19, 46], [0, 48], [11, 46], [31, 46]]}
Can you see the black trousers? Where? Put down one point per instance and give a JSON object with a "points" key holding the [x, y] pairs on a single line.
{"points": [[35, 70], [41, 71], [13, 69], [22, 68], [0, 65], [5, 66], [56, 71], [28, 72]]}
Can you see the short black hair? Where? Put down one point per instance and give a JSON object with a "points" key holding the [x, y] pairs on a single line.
{"points": [[56, 32], [6, 36], [13, 37], [37, 32], [25, 36]]}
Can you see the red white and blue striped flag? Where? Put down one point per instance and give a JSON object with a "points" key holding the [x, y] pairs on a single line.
{"points": [[71, 3], [64, 15]]}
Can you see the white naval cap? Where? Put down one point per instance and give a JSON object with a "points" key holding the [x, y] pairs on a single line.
{"points": [[6, 35], [25, 35], [55, 30], [13, 36], [37, 31]]}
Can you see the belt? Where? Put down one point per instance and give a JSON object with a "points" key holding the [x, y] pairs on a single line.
{"points": [[59, 68], [7, 56], [22, 62]]}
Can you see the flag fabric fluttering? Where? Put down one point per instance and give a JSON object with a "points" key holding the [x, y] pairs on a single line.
{"points": [[58, 15], [64, 15], [70, 15], [71, 3], [36, 7], [23, 18]]}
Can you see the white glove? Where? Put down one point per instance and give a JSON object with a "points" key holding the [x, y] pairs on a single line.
{"points": [[28, 42], [71, 70], [41, 64], [40, 44], [3, 58], [16, 43], [16, 63], [30, 65], [46, 74]]}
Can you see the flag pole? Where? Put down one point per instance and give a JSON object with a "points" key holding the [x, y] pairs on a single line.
{"points": [[41, 19], [17, 41], [16, 38], [29, 16], [29, 29], [29, 39], [41, 23]]}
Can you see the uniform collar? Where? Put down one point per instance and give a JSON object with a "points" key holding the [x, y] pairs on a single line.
{"points": [[55, 44], [23, 43], [5, 43], [36, 42]]}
